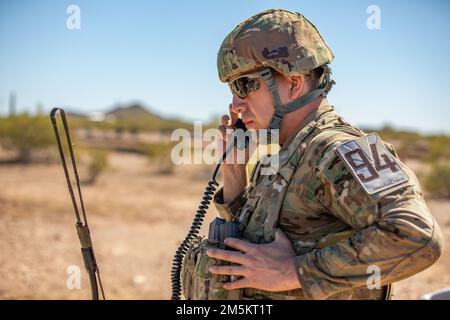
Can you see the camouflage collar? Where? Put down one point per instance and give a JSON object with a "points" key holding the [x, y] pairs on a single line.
{"points": [[304, 129]]}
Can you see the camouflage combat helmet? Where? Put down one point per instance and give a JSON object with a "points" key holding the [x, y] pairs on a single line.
{"points": [[278, 40]]}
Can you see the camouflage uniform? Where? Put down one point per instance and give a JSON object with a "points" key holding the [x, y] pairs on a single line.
{"points": [[350, 208], [337, 229]]}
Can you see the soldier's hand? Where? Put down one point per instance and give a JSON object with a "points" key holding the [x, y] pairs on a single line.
{"points": [[269, 267], [234, 170], [237, 157]]}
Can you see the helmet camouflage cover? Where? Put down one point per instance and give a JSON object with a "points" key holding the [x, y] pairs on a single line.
{"points": [[279, 39]]}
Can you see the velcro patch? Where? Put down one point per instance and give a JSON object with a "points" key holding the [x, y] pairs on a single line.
{"points": [[372, 165]]}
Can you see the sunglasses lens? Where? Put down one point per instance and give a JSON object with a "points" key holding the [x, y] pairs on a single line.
{"points": [[243, 86]]}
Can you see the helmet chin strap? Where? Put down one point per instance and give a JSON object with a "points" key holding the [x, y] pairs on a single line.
{"points": [[282, 109]]}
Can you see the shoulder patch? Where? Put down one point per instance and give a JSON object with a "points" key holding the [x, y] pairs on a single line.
{"points": [[372, 165]]}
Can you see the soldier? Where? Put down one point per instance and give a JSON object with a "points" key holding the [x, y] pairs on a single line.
{"points": [[342, 217]]}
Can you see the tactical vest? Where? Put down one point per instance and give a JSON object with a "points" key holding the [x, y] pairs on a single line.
{"points": [[258, 221]]}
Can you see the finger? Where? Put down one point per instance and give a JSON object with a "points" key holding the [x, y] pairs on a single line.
{"points": [[238, 244], [241, 283], [223, 131], [228, 270], [281, 241], [227, 255], [280, 236], [225, 120], [234, 115]]}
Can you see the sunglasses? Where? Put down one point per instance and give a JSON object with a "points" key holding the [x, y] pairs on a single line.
{"points": [[245, 84]]}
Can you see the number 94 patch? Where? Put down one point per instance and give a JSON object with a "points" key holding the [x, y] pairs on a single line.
{"points": [[372, 165]]}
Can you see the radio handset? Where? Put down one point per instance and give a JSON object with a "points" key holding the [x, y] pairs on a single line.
{"points": [[241, 144], [239, 124], [219, 228]]}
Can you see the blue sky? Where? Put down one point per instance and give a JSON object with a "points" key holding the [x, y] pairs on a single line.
{"points": [[164, 55]]}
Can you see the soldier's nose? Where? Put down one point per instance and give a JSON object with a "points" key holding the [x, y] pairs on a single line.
{"points": [[238, 105]]}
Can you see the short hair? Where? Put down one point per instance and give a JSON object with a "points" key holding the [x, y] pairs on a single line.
{"points": [[314, 77]]}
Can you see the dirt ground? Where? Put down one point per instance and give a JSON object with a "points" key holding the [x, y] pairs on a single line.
{"points": [[137, 219]]}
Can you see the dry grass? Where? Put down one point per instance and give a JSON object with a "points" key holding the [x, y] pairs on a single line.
{"points": [[137, 220]]}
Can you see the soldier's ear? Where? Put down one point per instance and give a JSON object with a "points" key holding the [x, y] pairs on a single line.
{"points": [[297, 86]]}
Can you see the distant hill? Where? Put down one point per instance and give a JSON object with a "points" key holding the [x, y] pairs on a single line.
{"points": [[132, 117], [136, 117], [77, 115], [131, 111]]}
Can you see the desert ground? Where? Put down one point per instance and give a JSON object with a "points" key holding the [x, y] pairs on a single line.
{"points": [[137, 219]]}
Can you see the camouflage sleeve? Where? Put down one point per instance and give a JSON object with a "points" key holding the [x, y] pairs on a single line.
{"points": [[229, 209], [395, 235]]}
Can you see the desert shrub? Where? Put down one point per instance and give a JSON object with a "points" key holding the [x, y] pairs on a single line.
{"points": [[26, 133], [97, 162], [159, 154], [133, 125], [439, 149], [119, 132], [134, 130], [437, 182]]}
